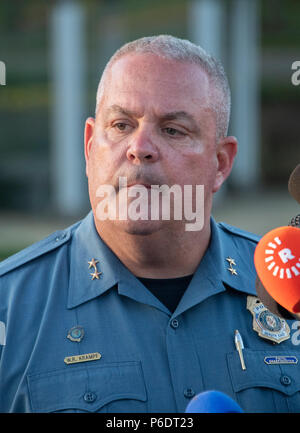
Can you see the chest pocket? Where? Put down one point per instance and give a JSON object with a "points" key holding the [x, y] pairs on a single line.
{"points": [[264, 387], [114, 387]]}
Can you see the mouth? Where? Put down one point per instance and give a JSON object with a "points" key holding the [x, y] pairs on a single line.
{"points": [[147, 185], [149, 182]]}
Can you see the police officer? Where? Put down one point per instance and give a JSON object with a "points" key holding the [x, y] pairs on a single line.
{"points": [[140, 314]]}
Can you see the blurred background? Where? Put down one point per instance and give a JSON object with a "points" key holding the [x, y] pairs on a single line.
{"points": [[54, 55]]}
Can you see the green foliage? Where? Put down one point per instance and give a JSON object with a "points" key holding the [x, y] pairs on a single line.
{"points": [[280, 23]]}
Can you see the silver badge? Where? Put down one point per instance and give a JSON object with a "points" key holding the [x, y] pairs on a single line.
{"points": [[267, 324]]}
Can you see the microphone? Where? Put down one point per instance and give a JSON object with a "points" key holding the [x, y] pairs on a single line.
{"points": [[294, 184], [294, 190], [213, 402], [279, 294], [277, 262]]}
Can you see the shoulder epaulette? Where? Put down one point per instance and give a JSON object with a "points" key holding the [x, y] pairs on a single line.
{"points": [[239, 232], [36, 250]]}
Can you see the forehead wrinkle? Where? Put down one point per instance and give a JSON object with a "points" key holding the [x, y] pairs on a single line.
{"points": [[173, 115], [117, 109]]}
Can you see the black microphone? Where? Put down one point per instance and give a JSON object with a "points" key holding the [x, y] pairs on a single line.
{"points": [[294, 184], [213, 402]]}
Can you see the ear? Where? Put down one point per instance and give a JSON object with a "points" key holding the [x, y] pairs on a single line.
{"points": [[226, 152], [88, 138]]}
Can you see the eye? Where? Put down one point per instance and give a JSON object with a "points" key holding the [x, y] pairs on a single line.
{"points": [[173, 132], [121, 126]]}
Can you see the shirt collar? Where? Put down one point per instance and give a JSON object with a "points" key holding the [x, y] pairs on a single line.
{"points": [[211, 277], [86, 244], [226, 246]]}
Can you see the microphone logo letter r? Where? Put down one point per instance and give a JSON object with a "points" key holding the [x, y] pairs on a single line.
{"points": [[285, 254]]}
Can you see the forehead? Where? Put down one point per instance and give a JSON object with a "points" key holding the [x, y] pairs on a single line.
{"points": [[147, 78]]}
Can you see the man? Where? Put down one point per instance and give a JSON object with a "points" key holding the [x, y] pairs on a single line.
{"points": [[128, 314]]}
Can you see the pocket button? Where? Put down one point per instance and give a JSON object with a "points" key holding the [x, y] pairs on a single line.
{"points": [[285, 380], [174, 323], [189, 393], [89, 397]]}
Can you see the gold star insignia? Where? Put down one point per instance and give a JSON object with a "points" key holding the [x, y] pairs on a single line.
{"points": [[231, 261], [95, 274], [93, 263], [233, 271]]}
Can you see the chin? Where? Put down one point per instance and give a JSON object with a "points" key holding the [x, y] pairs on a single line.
{"points": [[141, 228]]}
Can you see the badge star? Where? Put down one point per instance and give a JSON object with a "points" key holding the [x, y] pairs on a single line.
{"points": [[95, 274], [231, 261], [93, 263], [233, 271]]}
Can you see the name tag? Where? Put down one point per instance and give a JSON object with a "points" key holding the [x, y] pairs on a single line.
{"points": [[270, 360], [82, 358]]}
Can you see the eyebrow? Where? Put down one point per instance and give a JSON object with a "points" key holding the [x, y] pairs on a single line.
{"points": [[167, 116]]}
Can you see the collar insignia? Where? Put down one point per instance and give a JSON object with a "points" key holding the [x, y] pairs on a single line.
{"points": [[231, 264], [93, 264]]}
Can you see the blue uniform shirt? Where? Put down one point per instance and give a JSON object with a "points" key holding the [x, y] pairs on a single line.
{"points": [[74, 342]]}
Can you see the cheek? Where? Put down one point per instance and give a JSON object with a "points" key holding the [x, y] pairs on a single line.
{"points": [[196, 168], [104, 163], [96, 168]]}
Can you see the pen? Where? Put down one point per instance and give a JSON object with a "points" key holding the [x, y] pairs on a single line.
{"points": [[239, 347]]}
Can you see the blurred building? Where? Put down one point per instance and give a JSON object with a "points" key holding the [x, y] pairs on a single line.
{"points": [[41, 153]]}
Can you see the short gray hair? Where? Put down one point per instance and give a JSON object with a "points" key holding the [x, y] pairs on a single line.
{"points": [[173, 48]]}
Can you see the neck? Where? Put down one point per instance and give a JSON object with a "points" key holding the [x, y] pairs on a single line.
{"points": [[164, 253]]}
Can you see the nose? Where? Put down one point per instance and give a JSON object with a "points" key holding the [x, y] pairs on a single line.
{"points": [[142, 148]]}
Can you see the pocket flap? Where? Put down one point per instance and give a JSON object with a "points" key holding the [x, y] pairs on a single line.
{"points": [[86, 388], [265, 369]]}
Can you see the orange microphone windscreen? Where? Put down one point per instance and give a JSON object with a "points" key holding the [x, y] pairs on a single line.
{"points": [[277, 263]]}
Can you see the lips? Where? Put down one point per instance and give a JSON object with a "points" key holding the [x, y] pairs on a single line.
{"points": [[139, 184]]}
